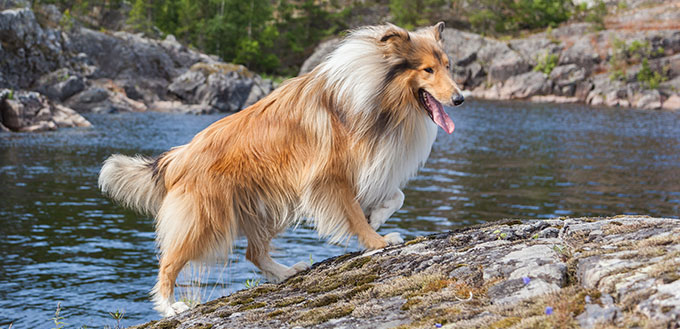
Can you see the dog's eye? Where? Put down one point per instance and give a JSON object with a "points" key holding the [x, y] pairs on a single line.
{"points": [[429, 70]]}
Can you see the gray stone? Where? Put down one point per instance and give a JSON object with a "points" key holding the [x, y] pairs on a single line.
{"points": [[28, 51], [567, 76], [319, 54], [595, 314], [649, 100], [102, 97], [31, 111], [65, 89], [533, 48], [525, 85], [476, 277], [672, 103], [507, 65], [580, 53], [463, 46], [225, 87]]}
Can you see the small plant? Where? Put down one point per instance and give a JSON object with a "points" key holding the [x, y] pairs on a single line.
{"points": [[649, 78], [551, 37], [563, 251], [252, 283], [636, 52], [57, 319], [10, 96], [66, 21], [546, 63], [499, 235], [311, 260], [118, 316]]}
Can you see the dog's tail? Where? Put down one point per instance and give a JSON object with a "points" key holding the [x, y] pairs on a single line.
{"points": [[134, 182]]}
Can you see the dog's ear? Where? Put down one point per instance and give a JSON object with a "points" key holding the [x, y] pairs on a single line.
{"points": [[394, 34], [438, 29]]}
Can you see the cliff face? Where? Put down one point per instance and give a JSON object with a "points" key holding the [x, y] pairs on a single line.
{"points": [[582, 272], [634, 62]]}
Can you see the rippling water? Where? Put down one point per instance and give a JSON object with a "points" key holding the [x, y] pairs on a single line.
{"points": [[63, 242]]}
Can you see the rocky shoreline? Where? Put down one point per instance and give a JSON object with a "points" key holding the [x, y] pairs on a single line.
{"points": [[80, 70], [634, 62], [622, 271]]}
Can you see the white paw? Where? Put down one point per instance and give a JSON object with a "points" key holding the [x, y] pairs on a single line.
{"points": [[179, 307], [299, 267], [393, 238], [277, 277], [167, 311]]}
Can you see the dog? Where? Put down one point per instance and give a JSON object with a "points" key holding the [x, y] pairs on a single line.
{"points": [[332, 147]]}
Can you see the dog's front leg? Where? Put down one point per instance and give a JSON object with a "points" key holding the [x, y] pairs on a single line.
{"points": [[336, 202], [384, 211]]}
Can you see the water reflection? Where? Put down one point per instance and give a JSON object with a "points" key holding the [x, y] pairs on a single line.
{"points": [[63, 242]]}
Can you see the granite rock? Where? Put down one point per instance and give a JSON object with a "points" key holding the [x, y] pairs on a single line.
{"points": [[615, 272]]}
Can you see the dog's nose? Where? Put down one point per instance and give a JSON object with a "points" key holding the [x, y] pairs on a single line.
{"points": [[458, 99]]}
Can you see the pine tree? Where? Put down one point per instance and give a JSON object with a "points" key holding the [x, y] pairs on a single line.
{"points": [[140, 18]]}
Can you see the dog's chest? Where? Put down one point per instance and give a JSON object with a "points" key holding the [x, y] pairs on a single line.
{"points": [[392, 163]]}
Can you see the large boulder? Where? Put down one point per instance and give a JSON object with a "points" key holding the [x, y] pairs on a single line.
{"points": [[593, 272], [649, 100], [104, 96], [567, 79], [502, 61], [31, 111], [224, 87], [60, 84], [463, 46], [581, 53], [526, 85]]}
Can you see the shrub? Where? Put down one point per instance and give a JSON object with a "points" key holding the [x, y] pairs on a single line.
{"points": [[637, 51], [546, 63], [649, 78], [504, 16]]}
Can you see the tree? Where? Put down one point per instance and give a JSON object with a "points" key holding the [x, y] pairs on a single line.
{"points": [[140, 18]]}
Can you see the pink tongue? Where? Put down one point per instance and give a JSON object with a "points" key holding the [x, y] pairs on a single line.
{"points": [[439, 116]]}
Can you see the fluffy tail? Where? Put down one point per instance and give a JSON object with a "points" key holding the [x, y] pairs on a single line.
{"points": [[132, 182]]}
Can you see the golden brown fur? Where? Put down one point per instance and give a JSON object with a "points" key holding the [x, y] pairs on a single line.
{"points": [[315, 148]]}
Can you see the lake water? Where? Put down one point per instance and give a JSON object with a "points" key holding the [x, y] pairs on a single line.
{"points": [[61, 241]]}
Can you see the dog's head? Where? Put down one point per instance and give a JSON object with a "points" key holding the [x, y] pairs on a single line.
{"points": [[418, 63]]}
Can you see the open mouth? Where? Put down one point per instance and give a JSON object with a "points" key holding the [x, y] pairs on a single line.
{"points": [[436, 111]]}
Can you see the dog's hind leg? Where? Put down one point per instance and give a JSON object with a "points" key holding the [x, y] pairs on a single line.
{"points": [[164, 292], [181, 238], [382, 212]]}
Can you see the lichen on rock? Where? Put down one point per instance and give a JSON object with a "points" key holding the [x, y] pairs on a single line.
{"points": [[580, 272]]}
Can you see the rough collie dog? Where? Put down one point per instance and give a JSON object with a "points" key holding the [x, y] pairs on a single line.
{"points": [[332, 147]]}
